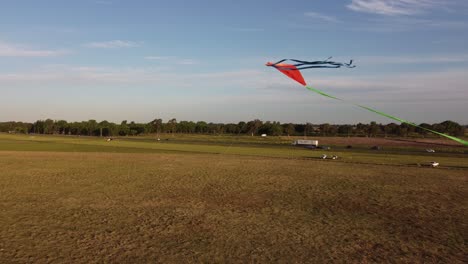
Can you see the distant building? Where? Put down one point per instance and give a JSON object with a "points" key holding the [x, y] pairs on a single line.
{"points": [[305, 142]]}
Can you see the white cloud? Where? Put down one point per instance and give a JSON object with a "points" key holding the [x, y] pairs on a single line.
{"points": [[112, 77], [174, 60], [393, 7], [402, 24], [113, 44], [323, 17], [417, 87], [158, 57], [414, 86], [411, 59], [400, 15], [15, 50], [186, 62], [415, 96]]}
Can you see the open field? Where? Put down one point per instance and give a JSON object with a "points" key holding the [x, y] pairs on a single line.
{"points": [[85, 200], [449, 157]]}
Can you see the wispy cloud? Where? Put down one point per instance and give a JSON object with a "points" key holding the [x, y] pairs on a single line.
{"points": [[57, 75], [187, 62], [173, 60], [411, 59], [323, 17], [408, 15], [158, 57], [403, 24], [400, 94], [393, 7], [376, 87], [15, 50], [113, 44]]}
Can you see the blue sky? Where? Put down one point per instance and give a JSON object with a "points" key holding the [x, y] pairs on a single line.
{"points": [[204, 60]]}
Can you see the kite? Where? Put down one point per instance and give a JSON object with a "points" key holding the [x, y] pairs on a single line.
{"points": [[293, 71]]}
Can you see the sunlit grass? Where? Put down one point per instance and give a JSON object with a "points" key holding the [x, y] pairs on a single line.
{"points": [[91, 144]]}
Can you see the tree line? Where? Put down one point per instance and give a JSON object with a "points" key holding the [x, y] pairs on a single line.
{"points": [[254, 127]]}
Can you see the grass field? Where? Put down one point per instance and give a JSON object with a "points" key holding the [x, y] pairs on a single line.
{"points": [[207, 199]]}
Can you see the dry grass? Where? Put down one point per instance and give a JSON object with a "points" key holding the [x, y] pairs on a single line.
{"points": [[146, 208]]}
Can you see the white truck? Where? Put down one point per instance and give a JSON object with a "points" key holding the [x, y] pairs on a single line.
{"points": [[305, 143]]}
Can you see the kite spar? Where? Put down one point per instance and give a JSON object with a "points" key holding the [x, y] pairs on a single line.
{"points": [[293, 72]]}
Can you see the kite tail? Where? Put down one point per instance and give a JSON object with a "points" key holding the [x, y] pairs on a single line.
{"points": [[461, 141], [301, 65]]}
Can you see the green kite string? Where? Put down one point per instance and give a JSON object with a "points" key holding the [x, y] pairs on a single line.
{"points": [[464, 142]]}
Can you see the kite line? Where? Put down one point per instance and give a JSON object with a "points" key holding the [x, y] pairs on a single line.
{"points": [[293, 72]]}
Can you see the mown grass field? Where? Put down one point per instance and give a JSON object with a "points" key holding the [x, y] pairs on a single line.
{"points": [[85, 200]]}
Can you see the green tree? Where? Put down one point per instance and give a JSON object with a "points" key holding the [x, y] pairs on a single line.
{"points": [[423, 131], [373, 129], [242, 127], [92, 127], [345, 130], [253, 126], [324, 129], [49, 126], [308, 129], [172, 125], [402, 130], [156, 126], [61, 127], [201, 127], [452, 128], [276, 129], [391, 129], [290, 129], [104, 128], [231, 128], [124, 129]]}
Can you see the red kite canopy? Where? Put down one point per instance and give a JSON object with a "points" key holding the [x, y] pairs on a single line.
{"points": [[289, 70]]}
